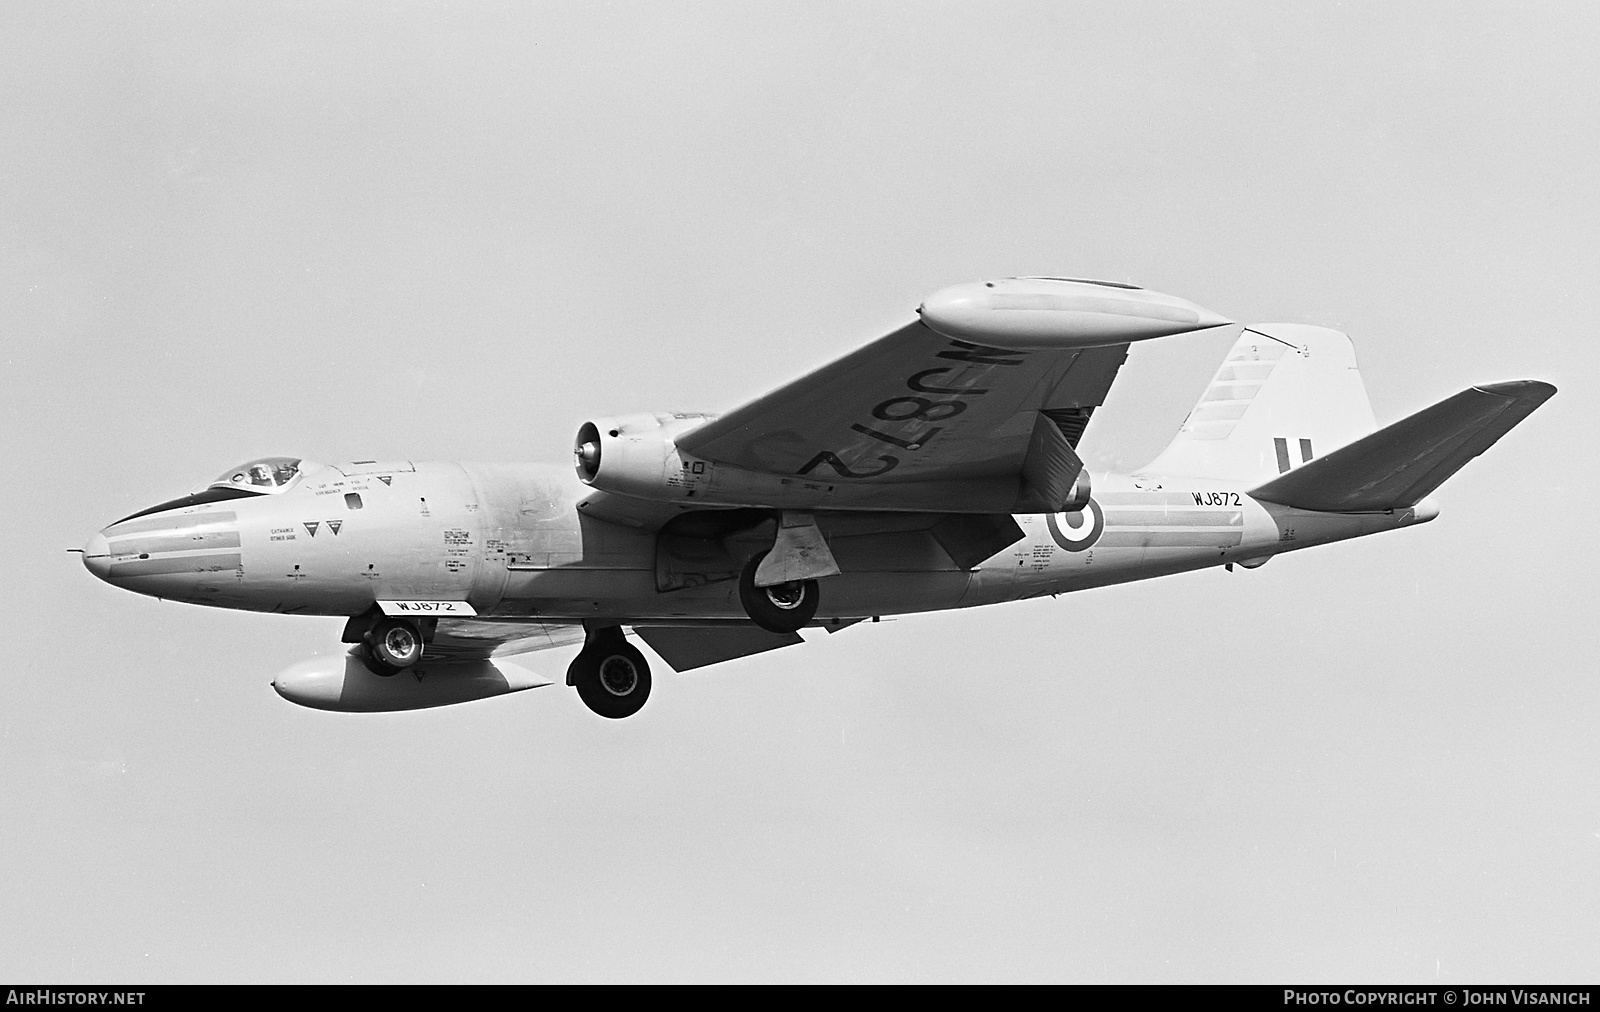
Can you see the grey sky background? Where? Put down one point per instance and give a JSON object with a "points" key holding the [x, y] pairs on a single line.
{"points": [[419, 231]]}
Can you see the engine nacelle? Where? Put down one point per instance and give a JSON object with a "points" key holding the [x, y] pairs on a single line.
{"points": [[638, 455]]}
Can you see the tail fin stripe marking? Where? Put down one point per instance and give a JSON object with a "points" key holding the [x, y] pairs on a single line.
{"points": [[1282, 446], [1305, 451]]}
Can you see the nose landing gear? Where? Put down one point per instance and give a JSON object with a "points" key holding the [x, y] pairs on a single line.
{"points": [[391, 646], [610, 674]]}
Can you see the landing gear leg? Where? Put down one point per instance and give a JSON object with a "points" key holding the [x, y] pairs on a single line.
{"points": [[611, 676]]}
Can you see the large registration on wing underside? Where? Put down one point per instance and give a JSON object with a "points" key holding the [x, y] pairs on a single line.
{"points": [[912, 406]]}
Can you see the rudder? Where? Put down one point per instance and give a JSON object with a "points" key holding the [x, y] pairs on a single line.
{"points": [[1286, 394]]}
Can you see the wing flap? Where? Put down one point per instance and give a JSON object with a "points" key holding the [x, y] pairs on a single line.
{"points": [[1399, 464], [688, 647]]}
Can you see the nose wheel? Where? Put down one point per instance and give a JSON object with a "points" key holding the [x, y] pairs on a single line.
{"points": [[391, 646], [611, 676], [783, 608]]}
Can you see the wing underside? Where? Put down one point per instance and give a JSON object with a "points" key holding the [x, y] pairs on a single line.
{"points": [[459, 639], [684, 646], [976, 407], [914, 406]]}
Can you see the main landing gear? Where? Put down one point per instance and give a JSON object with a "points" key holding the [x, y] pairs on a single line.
{"points": [[611, 676], [782, 608]]}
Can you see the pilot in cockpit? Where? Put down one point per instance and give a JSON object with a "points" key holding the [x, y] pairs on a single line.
{"points": [[268, 474]]}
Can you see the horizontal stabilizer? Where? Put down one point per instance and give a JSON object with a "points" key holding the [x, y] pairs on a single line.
{"points": [[1399, 464]]}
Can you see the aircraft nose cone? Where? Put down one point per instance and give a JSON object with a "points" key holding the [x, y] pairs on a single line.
{"points": [[97, 556]]}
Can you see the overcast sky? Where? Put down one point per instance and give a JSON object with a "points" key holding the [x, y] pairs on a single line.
{"points": [[457, 231]]}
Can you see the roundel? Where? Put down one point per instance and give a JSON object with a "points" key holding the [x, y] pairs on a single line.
{"points": [[1078, 530]]}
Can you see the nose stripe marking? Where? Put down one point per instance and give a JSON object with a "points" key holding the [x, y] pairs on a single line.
{"points": [[176, 543], [216, 563], [148, 524]]}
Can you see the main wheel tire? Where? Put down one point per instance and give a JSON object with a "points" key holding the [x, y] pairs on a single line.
{"points": [[781, 609], [392, 646], [612, 678]]}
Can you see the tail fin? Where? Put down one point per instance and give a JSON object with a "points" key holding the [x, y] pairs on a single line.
{"points": [[1398, 465], [1285, 393]]}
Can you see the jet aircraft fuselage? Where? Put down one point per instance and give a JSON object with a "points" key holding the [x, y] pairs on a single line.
{"points": [[933, 468], [508, 541]]}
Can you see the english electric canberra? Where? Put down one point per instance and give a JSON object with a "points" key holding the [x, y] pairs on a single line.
{"points": [[934, 468]]}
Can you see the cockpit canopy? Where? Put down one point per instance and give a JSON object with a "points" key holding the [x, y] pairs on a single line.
{"points": [[264, 475]]}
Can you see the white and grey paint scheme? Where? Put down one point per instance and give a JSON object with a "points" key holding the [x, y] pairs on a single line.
{"points": [[934, 468]]}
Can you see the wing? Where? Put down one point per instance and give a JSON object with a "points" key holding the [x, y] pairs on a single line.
{"points": [[913, 406], [994, 385], [685, 647]]}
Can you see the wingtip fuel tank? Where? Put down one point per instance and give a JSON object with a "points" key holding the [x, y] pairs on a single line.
{"points": [[1041, 313], [345, 684]]}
